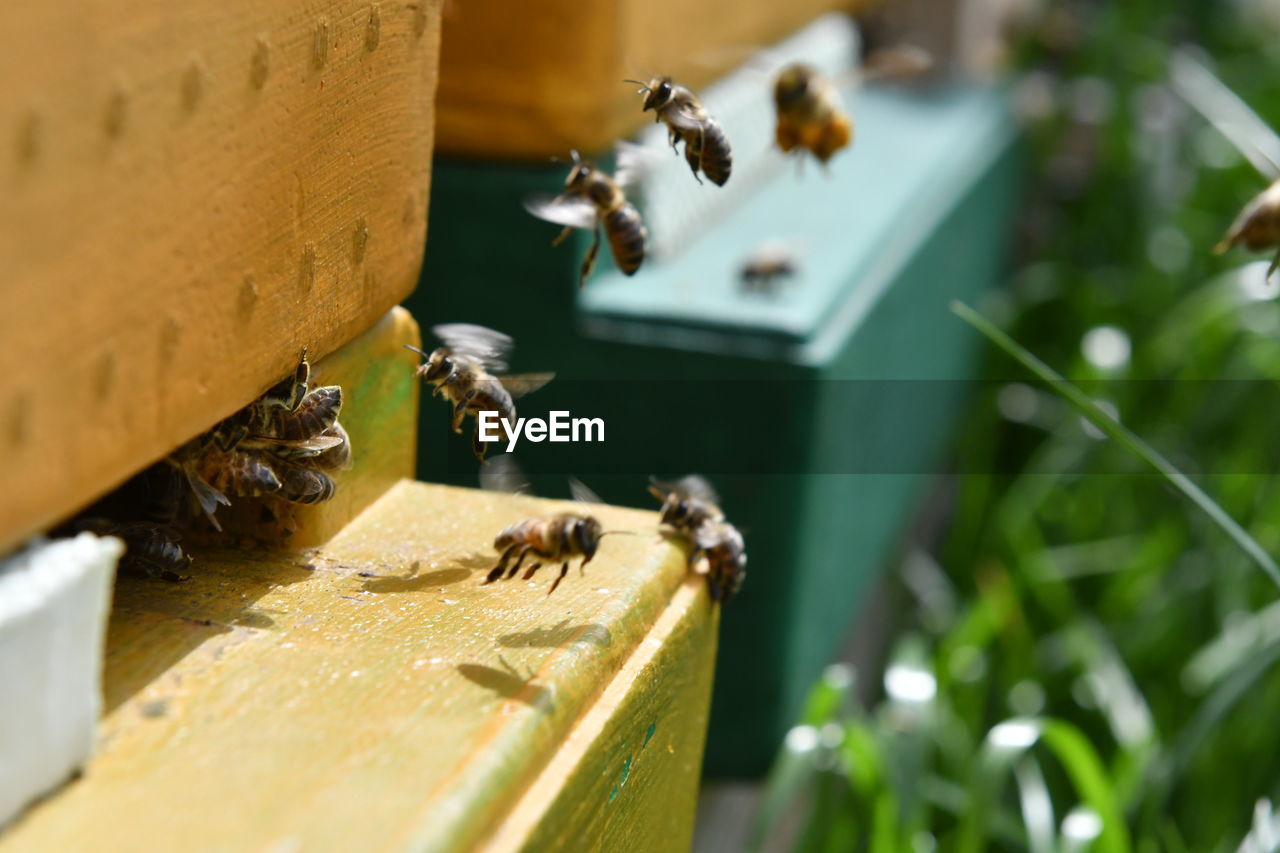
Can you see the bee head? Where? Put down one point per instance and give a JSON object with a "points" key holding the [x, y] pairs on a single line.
{"points": [[579, 177], [792, 85], [659, 94], [438, 366], [587, 532]]}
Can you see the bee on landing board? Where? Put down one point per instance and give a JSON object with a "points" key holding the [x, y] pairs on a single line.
{"points": [[595, 201], [691, 511], [706, 148], [465, 372], [559, 537], [151, 549], [279, 446], [721, 543], [766, 269], [687, 503]]}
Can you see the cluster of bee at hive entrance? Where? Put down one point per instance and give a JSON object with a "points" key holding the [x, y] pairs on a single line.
{"points": [[277, 453]]}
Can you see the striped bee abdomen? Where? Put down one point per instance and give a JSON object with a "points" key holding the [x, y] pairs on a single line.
{"points": [[717, 157], [627, 237]]}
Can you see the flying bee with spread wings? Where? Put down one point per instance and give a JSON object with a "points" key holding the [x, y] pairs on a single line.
{"points": [[706, 148], [595, 201], [466, 371]]}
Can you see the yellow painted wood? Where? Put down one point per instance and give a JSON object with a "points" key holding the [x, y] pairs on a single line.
{"points": [[380, 414], [626, 777], [534, 81], [189, 194], [289, 702]]}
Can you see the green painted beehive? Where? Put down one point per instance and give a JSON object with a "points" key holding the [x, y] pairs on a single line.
{"points": [[818, 411]]}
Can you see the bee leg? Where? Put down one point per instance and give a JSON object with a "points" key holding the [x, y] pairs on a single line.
{"points": [[460, 411], [589, 262], [564, 570], [497, 570], [582, 566], [529, 572], [478, 447], [564, 235], [523, 553]]}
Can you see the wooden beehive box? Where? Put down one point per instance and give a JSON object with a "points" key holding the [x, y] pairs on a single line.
{"points": [[192, 193], [532, 81]]}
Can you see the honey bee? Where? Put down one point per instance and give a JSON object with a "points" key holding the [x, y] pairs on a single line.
{"points": [[552, 538], [810, 113], [706, 148], [465, 371], [687, 504], [303, 485], [278, 446], [762, 272], [150, 549], [595, 201], [690, 509], [1257, 226], [721, 543]]}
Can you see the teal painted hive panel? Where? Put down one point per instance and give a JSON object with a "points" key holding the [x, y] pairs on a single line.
{"points": [[819, 412]]}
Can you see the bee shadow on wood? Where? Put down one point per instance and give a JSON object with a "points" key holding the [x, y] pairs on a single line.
{"points": [[509, 684], [456, 572], [591, 633], [216, 600]]}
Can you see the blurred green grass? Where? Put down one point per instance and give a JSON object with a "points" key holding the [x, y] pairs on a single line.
{"points": [[1090, 660]]}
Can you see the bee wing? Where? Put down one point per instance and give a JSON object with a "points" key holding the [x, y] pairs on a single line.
{"points": [[897, 62], [479, 343], [503, 474], [633, 162], [563, 210], [582, 492], [683, 118], [693, 486], [207, 496], [525, 383], [300, 447]]}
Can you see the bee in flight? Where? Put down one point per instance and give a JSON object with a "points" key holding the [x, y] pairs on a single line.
{"points": [[706, 148], [690, 510], [465, 371], [810, 113], [1257, 226], [594, 200]]}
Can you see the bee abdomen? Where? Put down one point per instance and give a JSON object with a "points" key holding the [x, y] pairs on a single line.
{"points": [[627, 237], [717, 157]]}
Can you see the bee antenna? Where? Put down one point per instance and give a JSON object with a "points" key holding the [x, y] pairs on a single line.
{"points": [[619, 532], [573, 152], [644, 87], [415, 349]]}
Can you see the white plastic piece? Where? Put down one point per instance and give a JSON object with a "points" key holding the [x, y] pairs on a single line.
{"points": [[54, 599], [676, 207]]}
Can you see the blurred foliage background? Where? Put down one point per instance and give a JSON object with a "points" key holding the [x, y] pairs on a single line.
{"points": [[1086, 661]]}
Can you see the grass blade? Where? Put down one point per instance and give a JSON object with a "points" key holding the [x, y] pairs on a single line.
{"points": [[1125, 438]]}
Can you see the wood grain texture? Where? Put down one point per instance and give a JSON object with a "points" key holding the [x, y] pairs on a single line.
{"points": [[277, 702], [626, 777], [534, 81], [192, 193]]}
